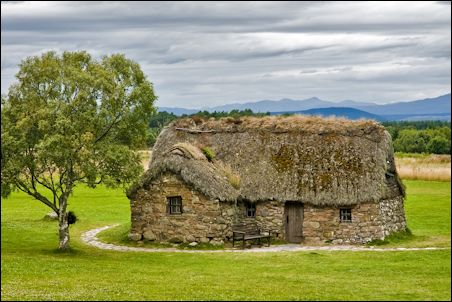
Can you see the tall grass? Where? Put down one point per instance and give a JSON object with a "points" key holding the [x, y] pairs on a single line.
{"points": [[424, 166]]}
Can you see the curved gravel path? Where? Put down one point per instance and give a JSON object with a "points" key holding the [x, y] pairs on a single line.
{"points": [[90, 238]]}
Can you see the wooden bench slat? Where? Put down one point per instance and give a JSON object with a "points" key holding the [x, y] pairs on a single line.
{"points": [[246, 232]]}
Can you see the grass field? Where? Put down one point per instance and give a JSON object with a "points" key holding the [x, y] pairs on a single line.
{"points": [[32, 268]]}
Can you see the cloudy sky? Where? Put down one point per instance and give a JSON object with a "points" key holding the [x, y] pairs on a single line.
{"points": [[212, 53]]}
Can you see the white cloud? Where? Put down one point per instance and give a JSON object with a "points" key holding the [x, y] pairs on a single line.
{"points": [[212, 53]]}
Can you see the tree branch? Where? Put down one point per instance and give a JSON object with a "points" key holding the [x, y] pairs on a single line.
{"points": [[53, 184], [108, 129], [36, 195]]}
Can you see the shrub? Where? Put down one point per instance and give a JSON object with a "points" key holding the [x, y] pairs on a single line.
{"points": [[233, 178], [210, 155], [71, 218], [439, 145], [410, 140]]}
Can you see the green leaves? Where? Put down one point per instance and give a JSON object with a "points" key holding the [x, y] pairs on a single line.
{"points": [[73, 119]]}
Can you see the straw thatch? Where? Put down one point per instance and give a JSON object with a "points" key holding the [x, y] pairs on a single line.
{"points": [[308, 159]]}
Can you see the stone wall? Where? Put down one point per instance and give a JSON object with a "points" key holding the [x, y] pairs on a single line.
{"points": [[369, 221], [207, 220], [393, 215], [269, 216], [322, 224], [202, 220]]}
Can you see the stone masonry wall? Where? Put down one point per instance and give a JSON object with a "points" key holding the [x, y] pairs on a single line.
{"points": [[322, 224], [202, 220], [269, 216], [393, 215], [369, 221], [207, 220]]}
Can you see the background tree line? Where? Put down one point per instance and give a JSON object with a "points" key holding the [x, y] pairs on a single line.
{"points": [[420, 136]]}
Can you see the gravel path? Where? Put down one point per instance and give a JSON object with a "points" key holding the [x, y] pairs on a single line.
{"points": [[90, 238]]}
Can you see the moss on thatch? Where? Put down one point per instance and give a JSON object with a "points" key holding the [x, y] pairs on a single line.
{"points": [[281, 124], [310, 159]]}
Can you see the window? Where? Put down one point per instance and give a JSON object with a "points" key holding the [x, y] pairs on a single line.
{"points": [[250, 210], [174, 205], [345, 215]]}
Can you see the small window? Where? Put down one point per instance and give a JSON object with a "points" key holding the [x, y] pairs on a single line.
{"points": [[175, 205], [345, 215], [250, 210]]}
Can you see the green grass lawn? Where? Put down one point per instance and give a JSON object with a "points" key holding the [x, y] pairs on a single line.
{"points": [[32, 268]]}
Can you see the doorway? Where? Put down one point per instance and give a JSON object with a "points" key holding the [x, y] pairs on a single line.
{"points": [[293, 219]]}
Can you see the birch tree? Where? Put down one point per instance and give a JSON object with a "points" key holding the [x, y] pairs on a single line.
{"points": [[70, 120]]}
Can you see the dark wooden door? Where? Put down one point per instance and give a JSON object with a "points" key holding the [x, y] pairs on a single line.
{"points": [[293, 215]]}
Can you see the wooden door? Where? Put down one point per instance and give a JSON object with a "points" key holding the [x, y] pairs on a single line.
{"points": [[293, 216]]}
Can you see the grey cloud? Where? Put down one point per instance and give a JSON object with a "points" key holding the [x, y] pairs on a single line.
{"points": [[200, 53]]}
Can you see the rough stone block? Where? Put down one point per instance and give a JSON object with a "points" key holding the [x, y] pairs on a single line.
{"points": [[204, 239], [149, 235], [175, 240], [312, 224], [135, 236], [190, 238], [230, 212]]}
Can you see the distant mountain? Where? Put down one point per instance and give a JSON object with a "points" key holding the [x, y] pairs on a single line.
{"points": [[177, 110], [350, 113], [285, 105], [353, 104], [273, 106], [418, 117], [440, 104], [438, 108]]}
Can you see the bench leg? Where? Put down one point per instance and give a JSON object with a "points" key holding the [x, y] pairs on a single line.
{"points": [[243, 244], [269, 240]]}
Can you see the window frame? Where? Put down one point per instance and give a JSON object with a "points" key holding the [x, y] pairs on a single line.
{"points": [[250, 208], [345, 215], [173, 203]]}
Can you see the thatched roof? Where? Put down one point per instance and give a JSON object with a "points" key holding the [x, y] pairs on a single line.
{"points": [[307, 159]]}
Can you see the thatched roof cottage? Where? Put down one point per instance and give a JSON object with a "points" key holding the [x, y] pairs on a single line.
{"points": [[308, 179]]}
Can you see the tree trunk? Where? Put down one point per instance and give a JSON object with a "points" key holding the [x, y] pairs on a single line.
{"points": [[63, 229]]}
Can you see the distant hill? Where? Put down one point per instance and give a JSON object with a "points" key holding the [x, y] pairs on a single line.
{"points": [[285, 105], [440, 104], [438, 108], [350, 113], [418, 117], [274, 106], [177, 110]]}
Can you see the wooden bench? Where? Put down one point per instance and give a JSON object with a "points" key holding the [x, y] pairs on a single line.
{"points": [[250, 231]]}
